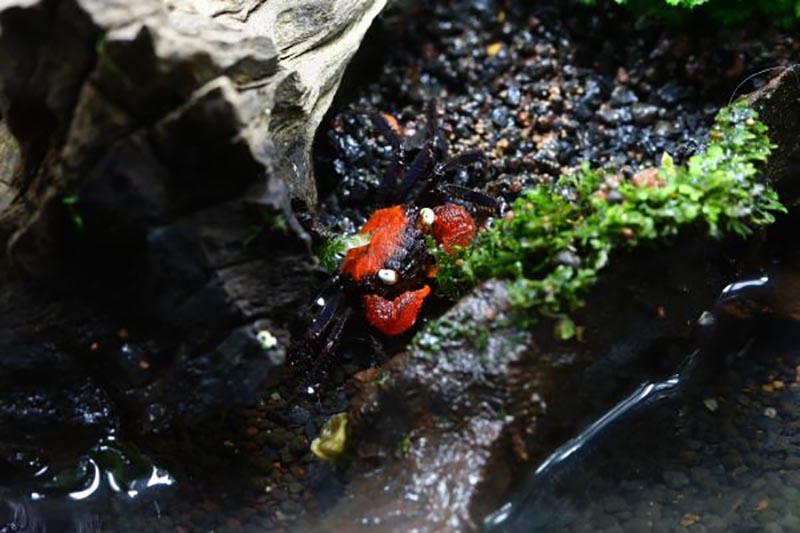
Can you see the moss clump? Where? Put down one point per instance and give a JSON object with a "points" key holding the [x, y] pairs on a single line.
{"points": [[786, 12], [332, 252], [556, 239]]}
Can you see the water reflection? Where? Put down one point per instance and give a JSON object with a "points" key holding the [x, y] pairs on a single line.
{"points": [[112, 468], [748, 315]]}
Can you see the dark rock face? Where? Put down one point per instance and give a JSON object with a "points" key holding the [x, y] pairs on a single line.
{"points": [[153, 149], [153, 153], [779, 106]]}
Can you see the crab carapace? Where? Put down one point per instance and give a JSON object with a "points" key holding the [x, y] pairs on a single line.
{"points": [[390, 276]]}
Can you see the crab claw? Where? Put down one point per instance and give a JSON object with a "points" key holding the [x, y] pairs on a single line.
{"points": [[453, 226], [393, 317]]}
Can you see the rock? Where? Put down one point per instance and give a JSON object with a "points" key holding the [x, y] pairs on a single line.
{"points": [[147, 114], [128, 66], [155, 148], [9, 159], [153, 137], [644, 114], [777, 103], [622, 96], [434, 421]]}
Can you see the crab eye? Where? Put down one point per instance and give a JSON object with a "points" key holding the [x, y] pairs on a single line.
{"points": [[388, 276], [426, 216]]}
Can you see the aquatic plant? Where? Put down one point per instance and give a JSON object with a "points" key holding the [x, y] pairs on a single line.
{"points": [[729, 11], [557, 238]]}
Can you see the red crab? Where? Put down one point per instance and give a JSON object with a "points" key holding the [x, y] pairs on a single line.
{"points": [[390, 276], [394, 232]]}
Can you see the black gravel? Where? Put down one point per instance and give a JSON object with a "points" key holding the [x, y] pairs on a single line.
{"points": [[539, 89]]}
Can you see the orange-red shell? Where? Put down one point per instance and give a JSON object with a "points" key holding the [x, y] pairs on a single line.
{"points": [[454, 226], [394, 317], [386, 227]]}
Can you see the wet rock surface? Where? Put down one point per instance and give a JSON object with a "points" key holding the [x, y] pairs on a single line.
{"points": [[723, 462], [777, 102], [423, 426], [151, 138]]}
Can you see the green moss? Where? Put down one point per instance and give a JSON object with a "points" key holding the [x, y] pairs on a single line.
{"points": [[445, 332], [70, 203], [332, 251], [561, 236], [729, 11], [406, 445]]}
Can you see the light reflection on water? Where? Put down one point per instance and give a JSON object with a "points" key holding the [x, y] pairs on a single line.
{"points": [[567, 490]]}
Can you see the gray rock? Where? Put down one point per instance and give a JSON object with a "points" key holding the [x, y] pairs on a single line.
{"points": [[777, 106], [111, 68], [172, 127], [614, 504], [448, 404], [147, 113], [644, 114], [9, 159]]}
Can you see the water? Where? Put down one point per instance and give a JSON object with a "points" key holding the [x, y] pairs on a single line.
{"points": [[712, 443]]}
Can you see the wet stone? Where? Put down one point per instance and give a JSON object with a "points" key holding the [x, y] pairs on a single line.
{"points": [[732, 461], [790, 522], [291, 507], [614, 117], [276, 438], [644, 114], [622, 96], [299, 445], [501, 117], [513, 96], [638, 525]]}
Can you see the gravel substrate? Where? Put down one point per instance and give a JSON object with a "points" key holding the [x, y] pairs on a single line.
{"points": [[540, 90]]}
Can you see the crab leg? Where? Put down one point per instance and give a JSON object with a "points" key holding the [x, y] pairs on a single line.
{"points": [[390, 180], [419, 168], [460, 161], [324, 319], [475, 198]]}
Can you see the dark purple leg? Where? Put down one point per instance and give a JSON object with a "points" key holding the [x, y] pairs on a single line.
{"points": [[324, 357], [419, 168], [477, 199], [392, 179], [460, 161]]}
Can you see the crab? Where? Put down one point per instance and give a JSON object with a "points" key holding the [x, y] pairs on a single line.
{"points": [[390, 273]]}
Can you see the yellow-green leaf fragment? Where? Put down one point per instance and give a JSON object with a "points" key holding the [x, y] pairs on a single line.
{"points": [[332, 440]]}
